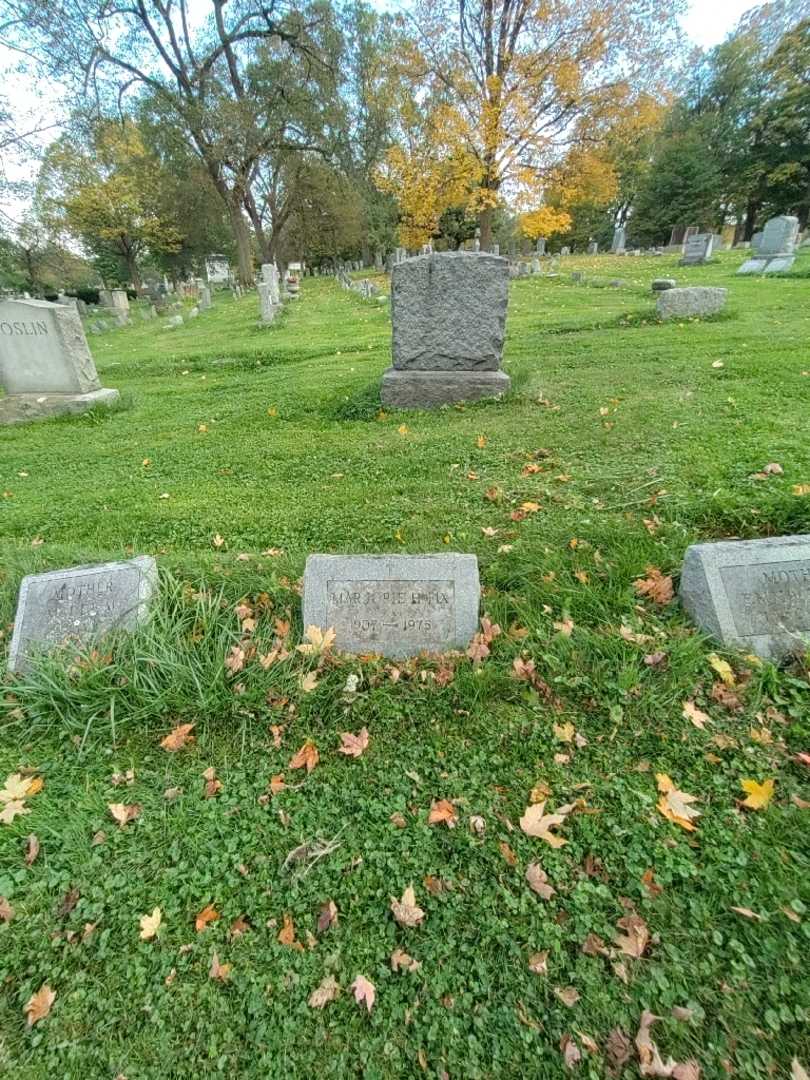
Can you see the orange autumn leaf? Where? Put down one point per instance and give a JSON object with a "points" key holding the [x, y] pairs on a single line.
{"points": [[178, 738], [306, 758], [208, 915], [217, 971], [286, 935], [442, 810], [674, 804], [39, 1005], [657, 586]]}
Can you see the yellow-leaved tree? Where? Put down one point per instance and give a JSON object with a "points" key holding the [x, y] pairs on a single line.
{"points": [[106, 195], [513, 94]]}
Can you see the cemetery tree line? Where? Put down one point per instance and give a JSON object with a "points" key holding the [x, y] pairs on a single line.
{"points": [[274, 129]]}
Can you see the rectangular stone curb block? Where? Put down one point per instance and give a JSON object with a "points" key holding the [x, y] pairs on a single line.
{"points": [[81, 603], [396, 605], [20, 408], [754, 594], [694, 301], [430, 389]]}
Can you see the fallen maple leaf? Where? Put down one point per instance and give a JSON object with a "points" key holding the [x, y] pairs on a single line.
{"points": [[308, 682], [442, 810], [402, 961], [354, 745], [656, 586], [695, 715], [208, 915], [570, 1052], [124, 813], [286, 935], [674, 804], [239, 926], [14, 808], [323, 994], [364, 992], [759, 795], [35, 786], [39, 1004], [636, 936], [507, 853], [536, 822], [178, 738], [328, 916], [220, 972], [649, 1059], [235, 660], [213, 786], [306, 758], [568, 995], [797, 1071], [538, 963], [723, 669], [15, 788], [405, 911], [316, 641], [6, 910], [150, 924], [538, 881]]}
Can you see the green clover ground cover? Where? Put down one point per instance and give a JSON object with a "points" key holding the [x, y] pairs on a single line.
{"points": [[635, 439]]}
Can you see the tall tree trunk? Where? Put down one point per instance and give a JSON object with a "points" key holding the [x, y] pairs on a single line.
{"points": [[485, 226], [751, 210], [258, 227], [241, 234]]}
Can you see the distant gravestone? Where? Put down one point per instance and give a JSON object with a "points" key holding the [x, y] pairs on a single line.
{"points": [[754, 594], [540, 246], [449, 312], [80, 604], [396, 605], [697, 301], [105, 298], [618, 244], [120, 300], [662, 284], [698, 249], [565, 250], [205, 298], [173, 322], [45, 365], [593, 248], [775, 247], [267, 309]]}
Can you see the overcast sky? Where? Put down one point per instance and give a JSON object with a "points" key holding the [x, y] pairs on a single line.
{"points": [[707, 23]]}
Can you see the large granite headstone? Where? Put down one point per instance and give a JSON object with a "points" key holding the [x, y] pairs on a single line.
{"points": [[754, 594], [775, 247], [695, 301], [45, 365], [698, 249], [79, 605], [396, 605], [449, 313]]}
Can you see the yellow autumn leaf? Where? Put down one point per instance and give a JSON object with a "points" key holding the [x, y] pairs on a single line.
{"points": [[674, 804], [759, 795], [723, 669], [150, 924]]}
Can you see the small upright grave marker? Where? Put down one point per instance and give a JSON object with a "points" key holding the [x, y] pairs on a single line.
{"points": [[775, 246], [80, 604], [397, 605], [45, 365], [754, 594], [698, 249]]}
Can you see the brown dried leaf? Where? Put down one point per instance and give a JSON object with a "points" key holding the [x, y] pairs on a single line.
{"points": [[178, 738], [32, 849], [6, 910], [328, 916], [220, 972], [568, 995], [124, 813], [208, 915], [39, 1005], [536, 822], [354, 745], [323, 994], [306, 758], [442, 810], [656, 586], [636, 936], [538, 963], [538, 881], [364, 992], [402, 961], [405, 911]]}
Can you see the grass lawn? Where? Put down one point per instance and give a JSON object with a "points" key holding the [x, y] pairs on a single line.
{"points": [[633, 439]]}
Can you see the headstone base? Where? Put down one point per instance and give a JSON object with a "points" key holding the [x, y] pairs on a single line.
{"points": [[767, 264], [20, 408], [407, 389]]}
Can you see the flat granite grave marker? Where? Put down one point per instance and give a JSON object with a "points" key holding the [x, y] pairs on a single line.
{"points": [[754, 594], [45, 365], [449, 313], [79, 604], [694, 301], [396, 605], [775, 247]]}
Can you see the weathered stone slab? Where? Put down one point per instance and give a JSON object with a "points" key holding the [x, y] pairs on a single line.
{"points": [[618, 244], [46, 367], [80, 604], [698, 249], [767, 264], [754, 594], [430, 389], [661, 284], [396, 605], [449, 311], [779, 236], [687, 303]]}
